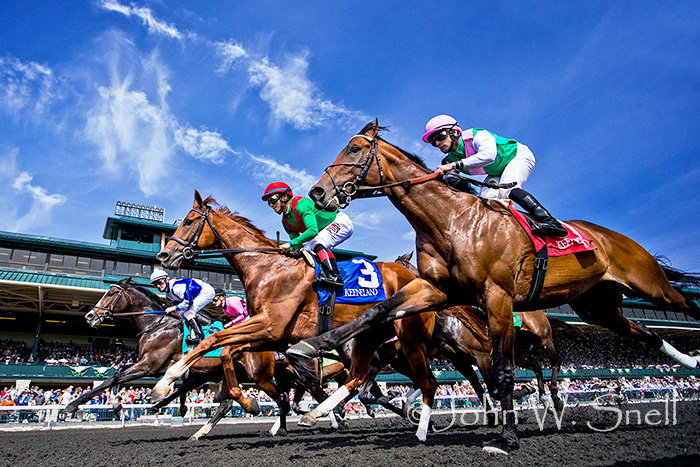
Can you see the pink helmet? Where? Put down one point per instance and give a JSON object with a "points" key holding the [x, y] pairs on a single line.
{"points": [[439, 123]]}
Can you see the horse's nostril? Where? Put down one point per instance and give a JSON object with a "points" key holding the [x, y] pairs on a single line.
{"points": [[163, 255], [316, 192]]}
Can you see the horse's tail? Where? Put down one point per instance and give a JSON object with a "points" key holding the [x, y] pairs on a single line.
{"points": [[563, 331], [678, 277]]}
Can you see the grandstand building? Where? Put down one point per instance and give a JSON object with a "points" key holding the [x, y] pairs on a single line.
{"points": [[48, 284]]}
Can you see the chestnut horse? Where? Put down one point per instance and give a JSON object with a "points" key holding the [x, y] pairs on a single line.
{"points": [[472, 251], [284, 307], [160, 345], [535, 328]]}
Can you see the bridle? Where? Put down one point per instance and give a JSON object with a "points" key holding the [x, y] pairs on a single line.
{"points": [[356, 189], [189, 251], [109, 311]]}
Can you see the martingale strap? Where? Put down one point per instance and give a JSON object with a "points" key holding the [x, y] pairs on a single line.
{"points": [[325, 315], [538, 273]]}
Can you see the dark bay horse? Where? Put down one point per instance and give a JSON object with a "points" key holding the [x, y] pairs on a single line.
{"points": [[284, 306], [535, 330], [160, 346], [472, 251]]}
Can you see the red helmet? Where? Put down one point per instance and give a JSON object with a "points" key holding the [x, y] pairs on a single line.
{"points": [[276, 187]]}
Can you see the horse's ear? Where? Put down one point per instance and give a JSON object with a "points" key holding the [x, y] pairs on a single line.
{"points": [[125, 281], [373, 129], [409, 256], [197, 200]]}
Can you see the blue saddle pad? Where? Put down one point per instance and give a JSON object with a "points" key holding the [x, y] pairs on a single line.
{"points": [[363, 283], [216, 326]]}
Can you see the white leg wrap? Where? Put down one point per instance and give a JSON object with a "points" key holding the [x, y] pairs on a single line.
{"points": [[334, 421], [202, 431], [276, 427], [422, 432], [685, 360], [329, 404], [412, 396]]}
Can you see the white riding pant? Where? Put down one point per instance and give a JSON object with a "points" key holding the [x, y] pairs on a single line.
{"points": [[518, 170], [333, 234]]}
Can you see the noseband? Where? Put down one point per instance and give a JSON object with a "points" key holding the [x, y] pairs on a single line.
{"points": [[108, 311]]}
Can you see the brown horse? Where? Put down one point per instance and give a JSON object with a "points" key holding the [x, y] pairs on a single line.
{"points": [[472, 251], [160, 345], [284, 305], [535, 329]]}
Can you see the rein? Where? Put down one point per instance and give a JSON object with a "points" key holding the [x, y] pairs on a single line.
{"points": [[189, 251], [354, 189]]}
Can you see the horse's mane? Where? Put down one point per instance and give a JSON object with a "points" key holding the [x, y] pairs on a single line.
{"points": [[245, 222], [150, 295], [412, 157]]}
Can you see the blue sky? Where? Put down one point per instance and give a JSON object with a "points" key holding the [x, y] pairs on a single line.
{"points": [[144, 102]]}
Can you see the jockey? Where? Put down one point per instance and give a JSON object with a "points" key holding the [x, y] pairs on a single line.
{"points": [[479, 152], [189, 296], [318, 231], [234, 307]]}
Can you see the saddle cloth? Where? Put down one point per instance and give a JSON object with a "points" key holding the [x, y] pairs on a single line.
{"points": [[575, 242], [363, 283], [216, 326]]}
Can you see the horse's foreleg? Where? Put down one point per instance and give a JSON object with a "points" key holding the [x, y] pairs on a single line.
{"points": [[256, 329], [416, 297], [137, 370], [499, 307], [248, 404]]}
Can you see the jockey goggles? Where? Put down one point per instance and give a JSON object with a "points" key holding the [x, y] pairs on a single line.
{"points": [[273, 199], [439, 136]]}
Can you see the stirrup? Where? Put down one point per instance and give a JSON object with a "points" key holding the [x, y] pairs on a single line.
{"points": [[331, 282], [192, 341], [550, 228]]}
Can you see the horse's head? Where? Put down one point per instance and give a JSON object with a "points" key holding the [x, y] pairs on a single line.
{"points": [[405, 261], [195, 232], [353, 167], [114, 301]]}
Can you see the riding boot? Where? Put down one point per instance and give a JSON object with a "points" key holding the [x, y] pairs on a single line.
{"points": [[330, 276], [546, 224], [196, 334]]}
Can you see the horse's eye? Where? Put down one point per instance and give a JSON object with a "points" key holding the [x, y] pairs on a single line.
{"points": [[354, 148], [187, 222]]}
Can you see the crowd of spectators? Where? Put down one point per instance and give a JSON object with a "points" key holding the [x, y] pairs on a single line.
{"points": [[99, 353]]}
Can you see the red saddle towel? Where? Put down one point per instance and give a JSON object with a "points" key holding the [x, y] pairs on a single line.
{"points": [[575, 242]]}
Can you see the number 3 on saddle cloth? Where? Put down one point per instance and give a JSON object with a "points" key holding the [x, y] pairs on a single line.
{"points": [[216, 326], [363, 283], [574, 242]]}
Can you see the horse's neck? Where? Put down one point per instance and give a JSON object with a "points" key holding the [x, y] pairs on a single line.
{"points": [[250, 265], [418, 202]]}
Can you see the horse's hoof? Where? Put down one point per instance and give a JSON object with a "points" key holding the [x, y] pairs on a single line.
{"points": [[254, 408], [307, 421], [500, 446], [71, 409], [192, 439], [558, 404], [303, 350]]}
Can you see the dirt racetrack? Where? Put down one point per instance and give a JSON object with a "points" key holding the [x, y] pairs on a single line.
{"points": [[382, 442]]}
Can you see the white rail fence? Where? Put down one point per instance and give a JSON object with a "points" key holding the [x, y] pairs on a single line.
{"points": [[52, 416]]}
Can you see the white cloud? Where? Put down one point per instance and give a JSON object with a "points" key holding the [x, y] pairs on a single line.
{"points": [[267, 170], [23, 206], [203, 144], [27, 88], [371, 220], [131, 130], [155, 26]]}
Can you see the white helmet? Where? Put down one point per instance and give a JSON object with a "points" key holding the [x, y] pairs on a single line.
{"points": [[158, 274]]}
